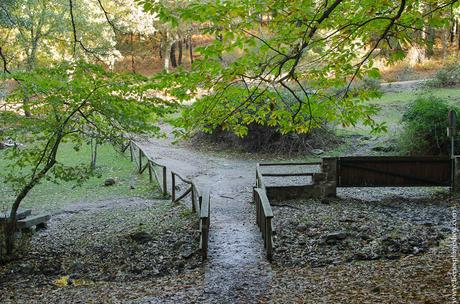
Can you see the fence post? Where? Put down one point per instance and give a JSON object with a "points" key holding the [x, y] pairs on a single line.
{"points": [[204, 237], [456, 174], [268, 238], [165, 184], [131, 150], [193, 199], [173, 186], [140, 160], [150, 171]]}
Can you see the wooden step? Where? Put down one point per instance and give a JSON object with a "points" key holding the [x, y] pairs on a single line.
{"points": [[21, 214], [32, 221]]}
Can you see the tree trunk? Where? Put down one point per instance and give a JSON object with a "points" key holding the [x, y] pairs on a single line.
{"points": [[430, 40], [133, 69], [444, 41], [458, 34], [93, 154], [452, 32], [166, 51], [190, 48], [11, 225], [160, 50], [179, 57], [172, 55]]}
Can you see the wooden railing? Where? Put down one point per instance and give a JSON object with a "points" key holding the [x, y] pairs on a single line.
{"points": [[264, 217], [144, 162], [200, 205], [200, 200], [264, 213]]}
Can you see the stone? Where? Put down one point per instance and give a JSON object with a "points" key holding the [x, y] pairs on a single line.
{"points": [[141, 237], [336, 236], [376, 289], [187, 253], [317, 151], [301, 228], [383, 148], [109, 182]]}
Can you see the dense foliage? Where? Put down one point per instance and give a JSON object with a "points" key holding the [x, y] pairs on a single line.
{"points": [[448, 76], [71, 102], [310, 48], [425, 123]]}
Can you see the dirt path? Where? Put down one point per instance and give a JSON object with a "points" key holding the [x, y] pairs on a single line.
{"points": [[237, 269], [398, 86]]}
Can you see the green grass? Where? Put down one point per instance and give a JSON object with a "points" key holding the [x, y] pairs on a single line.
{"points": [[49, 196], [394, 104]]}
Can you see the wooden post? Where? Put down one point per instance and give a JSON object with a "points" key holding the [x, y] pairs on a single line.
{"points": [[193, 199], [173, 186], [150, 171], [131, 153], [165, 184], [456, 174], [140, 160], [268, 237], [204, 237]]}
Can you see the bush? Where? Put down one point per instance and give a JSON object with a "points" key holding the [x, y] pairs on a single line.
{"points": [[265, 139], [425, 123], [448, 76]]}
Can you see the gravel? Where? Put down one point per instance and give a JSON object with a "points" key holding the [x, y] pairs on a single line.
{"points": [[130, 240], [381, 249]]}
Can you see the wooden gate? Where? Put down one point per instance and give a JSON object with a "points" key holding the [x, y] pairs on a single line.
{"points": [[400, 171]]}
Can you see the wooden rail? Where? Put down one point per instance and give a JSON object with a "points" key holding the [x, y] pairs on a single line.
{"points": [[290, 164], [264, 217], [149, 165], [201, 202]]}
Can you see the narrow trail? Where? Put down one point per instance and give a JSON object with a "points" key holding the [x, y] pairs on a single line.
{"points": [[237, 270]]}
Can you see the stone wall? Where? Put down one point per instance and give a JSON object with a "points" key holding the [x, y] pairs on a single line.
{"points": [[324, 184]]}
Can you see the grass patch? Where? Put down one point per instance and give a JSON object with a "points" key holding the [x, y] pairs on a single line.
{"points": [[49, 196]]}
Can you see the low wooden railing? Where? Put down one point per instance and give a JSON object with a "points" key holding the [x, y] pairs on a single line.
{"points": [[201, 202], [144, 162], [264, 213], [264, 217]]}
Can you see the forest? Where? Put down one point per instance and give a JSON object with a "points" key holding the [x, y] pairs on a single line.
{"points": [[252, 151]]}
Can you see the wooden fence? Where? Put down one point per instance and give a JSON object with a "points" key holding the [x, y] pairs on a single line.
{"points": [[264, 213], [200, 200], [264, 217], [200, 205], [144, 162]]}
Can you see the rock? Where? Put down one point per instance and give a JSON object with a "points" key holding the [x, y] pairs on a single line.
{"points": [[383, 148], [365, 237], [317, 151], [109, 182], [141, 237], [391, 245], [346, 220], [187, 253], [335, 236], [301, 228], [26, 268], [376, 289]]}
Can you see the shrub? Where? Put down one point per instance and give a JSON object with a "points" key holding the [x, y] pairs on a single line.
{"points": [[425, 123], [448, 76], [266, 139]]}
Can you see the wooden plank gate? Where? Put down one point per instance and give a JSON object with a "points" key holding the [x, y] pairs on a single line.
{"points": [[394, 171]]}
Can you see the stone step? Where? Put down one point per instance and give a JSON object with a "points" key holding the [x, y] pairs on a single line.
{"points": [[34, 220], [21, 214]]}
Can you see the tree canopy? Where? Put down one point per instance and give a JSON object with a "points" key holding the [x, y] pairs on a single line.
{"points": [[292, 64]]}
